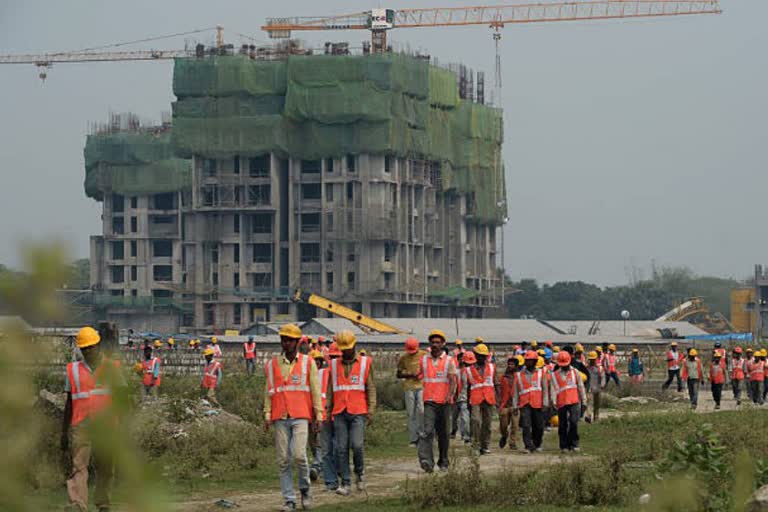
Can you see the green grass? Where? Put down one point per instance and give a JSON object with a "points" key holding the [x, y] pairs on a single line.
{"points": [[392, 504]]}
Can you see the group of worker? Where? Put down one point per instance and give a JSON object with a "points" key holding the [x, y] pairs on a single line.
{"points": [[745, 369]]}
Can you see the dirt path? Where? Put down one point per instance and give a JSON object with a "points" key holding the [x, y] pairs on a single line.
{"points": [[383, 478]]}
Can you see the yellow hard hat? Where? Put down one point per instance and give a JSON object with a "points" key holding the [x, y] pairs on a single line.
{"points": [[346, 340], [208, 351], [583, 376], [191, 343], [579, 347], [556, 349], [540, 362], [436, 332], [316, 354], [611, 347], [481, 349], [592, 355], [363, 352], [764, 353], [479, 339], [171, 341], [158, 343], [534, 343], [554, 421], [541, 352], [599, 348], [87, 337], [459, 342], [693, 352], [520, 360], [290, 331], [635, 350], [138, 368], [214, 340]]}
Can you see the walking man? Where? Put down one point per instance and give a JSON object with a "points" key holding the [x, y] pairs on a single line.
{"points": [[738, 371], [461, 411], [292, 402], [507, 413], [756, 370], [595, 373], [211, 376], [151, 372], [609, 364], [327, 435], [636, 369], [693, 376], [352, 401], [716, 378], [529, 400], [438, 373], [408, 371], [673, 367], [249, 354], [482, 397], [567, 391], [89, 387]]}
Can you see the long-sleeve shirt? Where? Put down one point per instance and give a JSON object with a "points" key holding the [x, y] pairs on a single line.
{"points": [[528, 376], [286, 367], [553, 391], [595, 381], [692, 369], [370, 385], [507, 386], [635, 366]]}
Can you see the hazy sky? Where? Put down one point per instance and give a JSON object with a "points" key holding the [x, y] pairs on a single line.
{"points": [[626, 141]]}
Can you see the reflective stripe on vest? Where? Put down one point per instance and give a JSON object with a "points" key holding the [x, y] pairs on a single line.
{"points": [[737, 372], [349, 392], [481, 390], [88, 396], [210, 375], [290, 395], [250, 350], [610, 362], [566, 391], [673, 360], [530, 392], [435, 379], [302, 385], [756, 371], [717, 374]]}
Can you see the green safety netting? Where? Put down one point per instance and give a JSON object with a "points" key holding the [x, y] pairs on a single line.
{"points": [[130, 163], [328, 106]]}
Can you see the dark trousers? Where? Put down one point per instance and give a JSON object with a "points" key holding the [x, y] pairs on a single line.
{"points": [[756, 391], [693, 392], [568, 426], [671, 375], [614, 376], [436, 421], [736, 385], [532, 425], [717, 393]]}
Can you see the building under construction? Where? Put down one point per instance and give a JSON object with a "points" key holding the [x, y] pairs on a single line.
{"points": [[375, 180]]}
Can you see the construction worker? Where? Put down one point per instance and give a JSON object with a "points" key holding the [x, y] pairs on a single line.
{"points": [[351, 403], [756, 372], [716, 377], [315, 435], [304, 345], [437, 371], [327, 436], [292, 402], [150, 372], [461, 423], [595, 374], [674, 359], [719, 349], [408, 371], [636, 369], [482, 397], [158, 344], [578, 354], [215, 347], [249, 355], [738, 372], [529, 400], [507, 414], [693, 376], [609, 365], [570, 398], [458, 348], [211, 376], [89, 385], [749, 359], [171, 344], [763, 356]]}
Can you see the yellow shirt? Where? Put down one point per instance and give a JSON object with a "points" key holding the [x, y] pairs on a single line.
{"points": [[286, 367], [409, 363]]}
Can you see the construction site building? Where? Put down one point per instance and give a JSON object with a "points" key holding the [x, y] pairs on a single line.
{"points": [[373, 180]]}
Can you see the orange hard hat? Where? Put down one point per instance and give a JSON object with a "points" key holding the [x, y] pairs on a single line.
{"points": [[469, 358], [548, 343], [737, 350], [563, 358], [531, 355], [411, 345], [333, 350]]}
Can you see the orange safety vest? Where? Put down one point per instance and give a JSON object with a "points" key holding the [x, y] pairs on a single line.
{"points": [[349, 390], [566, 388], [149, 371], [737, 372], [673, 360], [756, 371], [481, 387], [250, 350], [610, 363], [210, 374], [435, 379], [290, 396], [530, 392], [89, 394], [716, 374], [323, 377]]}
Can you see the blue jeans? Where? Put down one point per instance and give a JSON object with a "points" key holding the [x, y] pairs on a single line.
{"points": [[350, 433], [414, 406], [328, 454], [291, 445]]}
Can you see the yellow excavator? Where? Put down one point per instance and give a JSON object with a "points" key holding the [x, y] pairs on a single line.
{"points": [[696, 311], [364, 322]]}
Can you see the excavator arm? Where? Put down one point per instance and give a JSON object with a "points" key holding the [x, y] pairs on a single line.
{"points": [[366, 323]]}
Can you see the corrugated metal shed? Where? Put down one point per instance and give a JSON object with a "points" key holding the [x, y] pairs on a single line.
{"points": [[635, 328]]}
